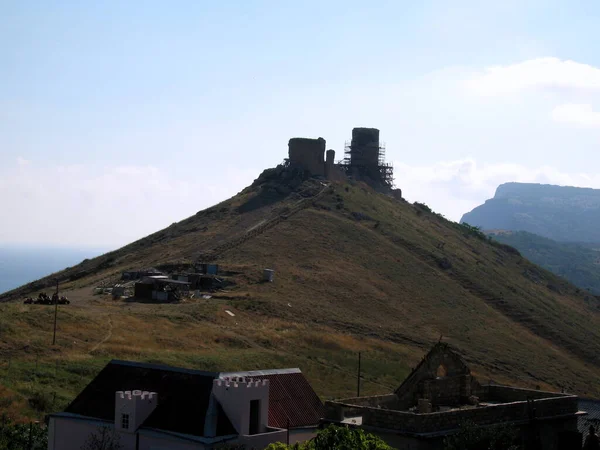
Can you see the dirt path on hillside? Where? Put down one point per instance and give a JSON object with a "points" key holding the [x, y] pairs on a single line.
{"points": [[105, 338]]}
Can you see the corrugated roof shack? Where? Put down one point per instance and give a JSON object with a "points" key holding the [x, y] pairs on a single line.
{"points": [[161, 288], [209, 269], [203, 282], [139, 274]]}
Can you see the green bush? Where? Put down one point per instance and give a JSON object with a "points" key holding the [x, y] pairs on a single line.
{"points": [[337, 438], [16, 436]]}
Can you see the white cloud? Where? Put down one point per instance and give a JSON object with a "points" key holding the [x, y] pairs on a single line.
{"points": [[453, 188], [577, 114], [80, 205], [539, 73]]}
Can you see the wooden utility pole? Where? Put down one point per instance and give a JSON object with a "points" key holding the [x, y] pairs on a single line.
{"points": [[358, 378], [55, 313]]}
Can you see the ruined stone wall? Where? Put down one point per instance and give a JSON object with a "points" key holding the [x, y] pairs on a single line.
{"points": [[389, 401], [449, 420], [509, 394], [447, 390], [329, 163], [365, 147], [440, 356], [309, 154]]}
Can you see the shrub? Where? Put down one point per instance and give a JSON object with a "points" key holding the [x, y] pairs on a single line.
{"points": [[472, 437], [337, 438], [40, 402], [16, 436], [422, 207]]}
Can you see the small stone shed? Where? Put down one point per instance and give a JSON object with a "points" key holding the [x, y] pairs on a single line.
{"points": [[440, 394]]}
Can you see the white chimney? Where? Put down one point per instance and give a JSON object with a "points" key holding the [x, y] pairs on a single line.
{"points": [[132, 408]]}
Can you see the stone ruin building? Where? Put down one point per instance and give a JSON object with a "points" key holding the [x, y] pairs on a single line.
{"points": [[309, 154], [364, 159], [441, 393]]}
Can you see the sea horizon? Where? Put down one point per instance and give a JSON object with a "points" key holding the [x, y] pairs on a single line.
{"points": [[23, 263]]}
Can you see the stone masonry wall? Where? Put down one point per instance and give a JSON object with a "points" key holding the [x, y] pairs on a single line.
{"points": [[440, 355], [388, 401], [309, 154], [426, 423], [447, 390], [511, 394]]}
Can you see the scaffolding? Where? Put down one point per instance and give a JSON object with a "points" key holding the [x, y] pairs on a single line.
{"points": [[368, 161]]}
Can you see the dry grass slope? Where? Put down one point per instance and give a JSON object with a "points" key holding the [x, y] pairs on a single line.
{"points": [[355, 271]]}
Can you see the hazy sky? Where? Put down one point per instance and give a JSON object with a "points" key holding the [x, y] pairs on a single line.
{"points": [[119, 118]]}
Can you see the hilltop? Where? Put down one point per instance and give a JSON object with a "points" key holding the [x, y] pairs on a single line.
{"points": [[561, 213], [355, 270]]}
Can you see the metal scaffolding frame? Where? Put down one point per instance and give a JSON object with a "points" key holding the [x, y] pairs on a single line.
{"points": [[382, 173]]}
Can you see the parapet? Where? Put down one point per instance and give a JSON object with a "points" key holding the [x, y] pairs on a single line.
{"points": [[136, 395], [240, 382]]}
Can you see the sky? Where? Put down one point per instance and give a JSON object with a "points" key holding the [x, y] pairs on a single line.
{"points": [[120, 118]]}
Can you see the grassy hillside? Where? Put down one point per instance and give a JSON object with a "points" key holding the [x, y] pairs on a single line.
{"points": [[354, 271], [578, 263]]}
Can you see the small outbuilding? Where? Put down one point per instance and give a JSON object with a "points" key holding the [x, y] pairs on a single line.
{"points": [[161, 288]]}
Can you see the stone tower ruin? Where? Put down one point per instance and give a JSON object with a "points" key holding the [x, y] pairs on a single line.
{"points": [[309, 154], [365, 158]]}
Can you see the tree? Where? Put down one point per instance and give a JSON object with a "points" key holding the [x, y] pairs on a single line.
{"points": [[105, 438], [337, 438], [472, 437], [17, 436]]}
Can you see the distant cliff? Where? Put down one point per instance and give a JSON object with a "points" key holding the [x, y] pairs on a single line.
{"points": [[565, 214]]}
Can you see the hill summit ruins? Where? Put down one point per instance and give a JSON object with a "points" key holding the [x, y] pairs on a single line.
{"points": [[364, 159]]}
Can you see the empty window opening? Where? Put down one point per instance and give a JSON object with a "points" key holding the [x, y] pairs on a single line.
{"points": [[254, 417], [442, 371], [125, 421]]}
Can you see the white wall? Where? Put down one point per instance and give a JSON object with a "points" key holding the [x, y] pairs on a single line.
{"points": [[167, 443], [260, 441], [137, 404], [235, 399], [71, 434]]}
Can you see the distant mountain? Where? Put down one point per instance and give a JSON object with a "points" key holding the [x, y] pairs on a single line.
{"points": [[21, 264], [578, 263], [565, 214]]}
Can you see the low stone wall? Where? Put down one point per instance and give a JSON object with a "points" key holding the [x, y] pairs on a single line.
{"points": [[387, 401], [336, 411], [433, 422], [507, 394]]}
